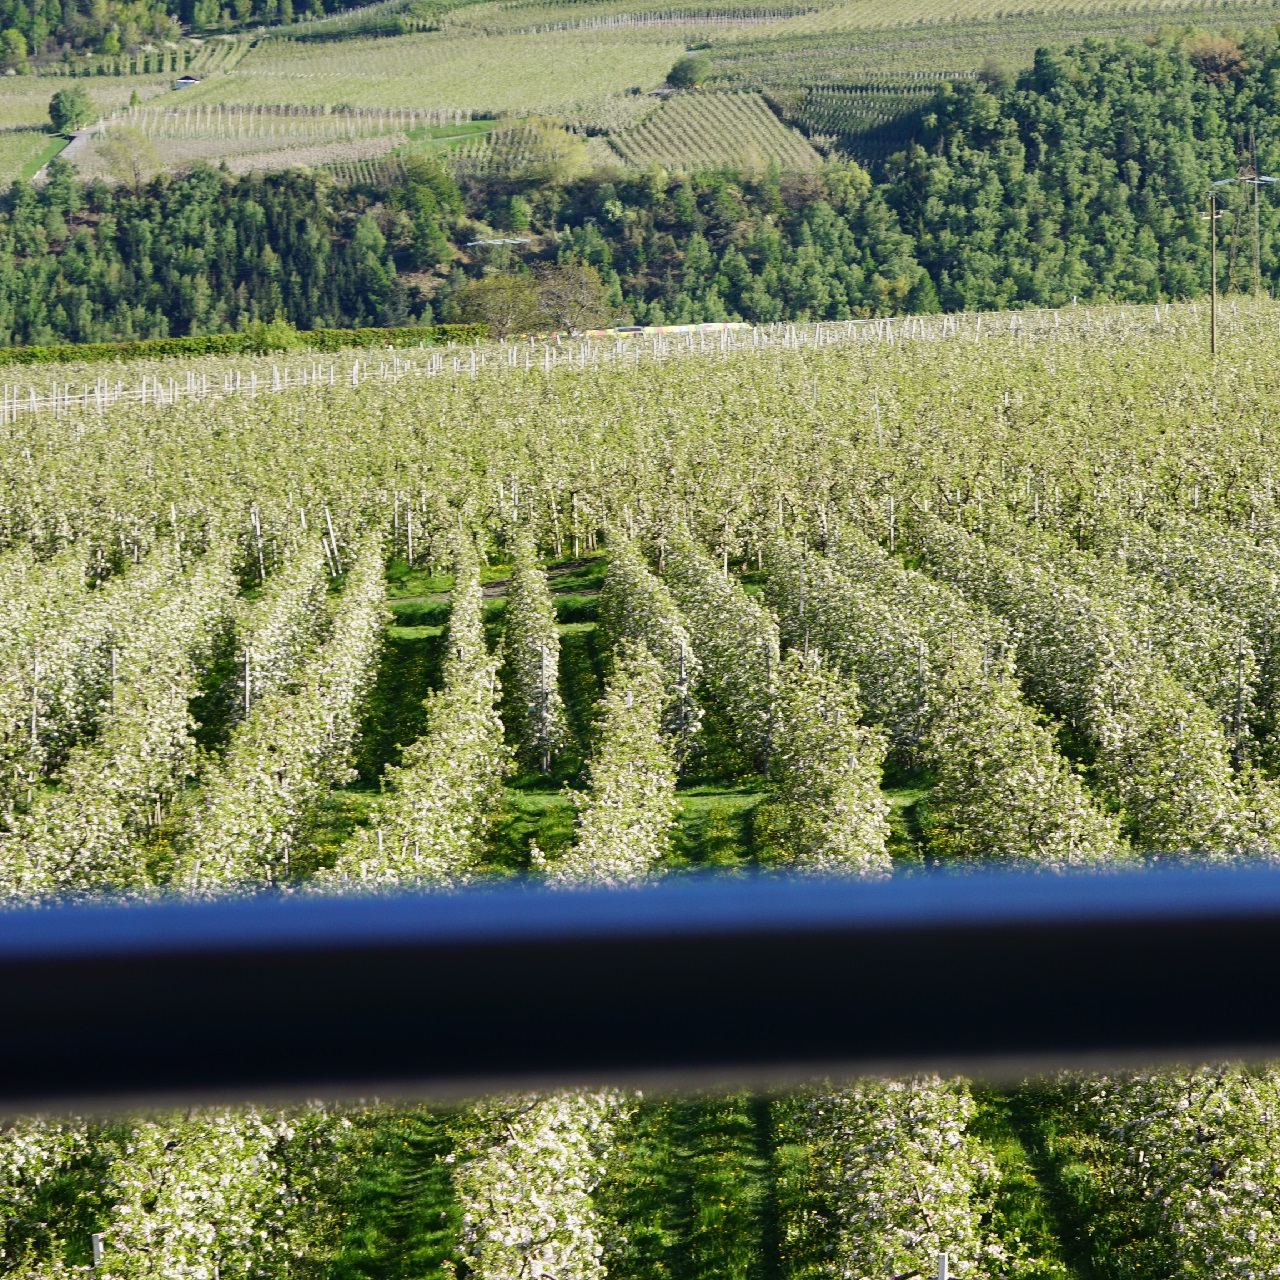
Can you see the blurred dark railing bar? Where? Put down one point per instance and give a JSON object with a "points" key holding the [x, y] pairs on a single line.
{"points": [[743, 981]]}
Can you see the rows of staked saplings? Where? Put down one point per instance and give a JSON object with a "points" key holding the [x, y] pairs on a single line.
{"points": [[949, 600]]}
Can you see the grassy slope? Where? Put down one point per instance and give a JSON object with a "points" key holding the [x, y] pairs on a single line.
{"points": [[400, 1219], [24, 112], [517, 73]]}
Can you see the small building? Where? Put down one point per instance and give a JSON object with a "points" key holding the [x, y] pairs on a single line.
{"points": [[185, 82]]}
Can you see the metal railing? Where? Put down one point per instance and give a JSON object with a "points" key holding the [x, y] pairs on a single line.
{"points": [[743, 981]]}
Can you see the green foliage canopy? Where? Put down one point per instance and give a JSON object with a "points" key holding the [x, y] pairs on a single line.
{"points": [[69, 109], [689, 71]]}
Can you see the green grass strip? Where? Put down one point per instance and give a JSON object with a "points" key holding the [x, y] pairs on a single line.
{"points": [[42, 157]]}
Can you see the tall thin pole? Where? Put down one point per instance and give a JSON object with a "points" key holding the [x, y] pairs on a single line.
{"points": [[1239, 717], [1257, 236], [544, 713], [1213, 273]]}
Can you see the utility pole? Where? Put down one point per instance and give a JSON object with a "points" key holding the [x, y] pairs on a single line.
{"points": [[1257, 179], [1257, 235], [1213, 272]]}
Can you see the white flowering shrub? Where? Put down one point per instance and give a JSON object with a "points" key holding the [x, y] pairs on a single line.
{"points": [[1205, 648], [293, 747], [212, 1192], [941, 688], [34, 1151], [636, 607], [1003, 789], [897, 1178], [894, 1179], [531, 646], [882, 645], [736, 642], [1161, 751], [1193, 1156], [61, 645], [115, 789], [207, 1191], [430, 827], [527, 1167], [276, 635], [530, 1162], [194, 1191], [626, 815], [465, 645], [1218, 569], [40, 682], [222, 1192], [826, 813]]}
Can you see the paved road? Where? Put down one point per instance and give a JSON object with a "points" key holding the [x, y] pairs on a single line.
{"points": [[79, 141]]}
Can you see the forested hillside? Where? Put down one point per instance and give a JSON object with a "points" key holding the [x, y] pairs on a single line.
{"points": [[1086, 177], [1089, 175], [202, 254]]}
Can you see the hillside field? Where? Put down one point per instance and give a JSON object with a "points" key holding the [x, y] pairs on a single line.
{"points": [[761, 537], [860, 599], [849, 74]]}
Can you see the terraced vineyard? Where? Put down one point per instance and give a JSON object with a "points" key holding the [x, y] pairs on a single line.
{"points": [[836, 15], [852, 75], [867, 120], [275, 137], [853, 600], [699, 131]]}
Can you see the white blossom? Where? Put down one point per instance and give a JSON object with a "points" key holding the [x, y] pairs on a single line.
{"points": [[277, 634], [935, 676], [899, 1178], [531, 645], [626, 816], [213, 1192], [635, 606], [115, 789], [826, 810], [736, 642], [527, 1166], [1193, 1157], [292, 748], [1161, 751]]}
